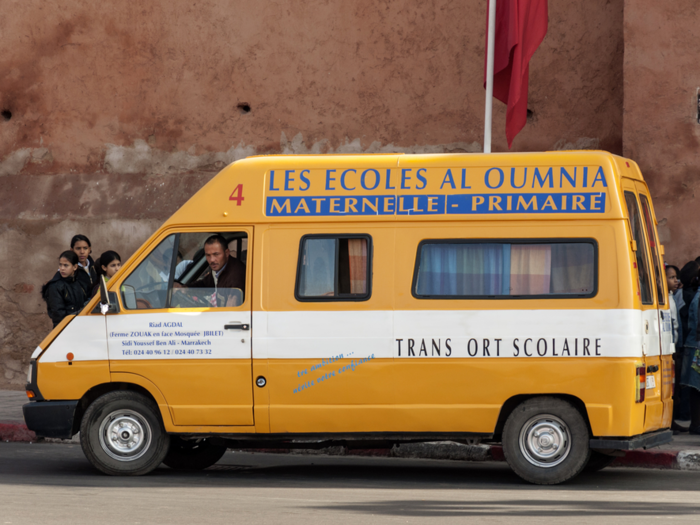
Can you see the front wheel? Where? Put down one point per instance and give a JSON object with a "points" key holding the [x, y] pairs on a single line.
{"points": [[546, 441], [122, 434], [194, 454]]}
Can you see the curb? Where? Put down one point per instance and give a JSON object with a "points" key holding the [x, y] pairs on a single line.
{"points": [[649, 459], [16, 432], [657, 459]]}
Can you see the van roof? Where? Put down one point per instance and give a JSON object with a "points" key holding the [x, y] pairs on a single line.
{"points": [[391, 187]]}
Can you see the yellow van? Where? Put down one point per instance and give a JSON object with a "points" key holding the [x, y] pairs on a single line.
{"points": [[373, 300]]}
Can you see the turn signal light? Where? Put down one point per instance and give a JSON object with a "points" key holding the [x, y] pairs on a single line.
{"points": [[30, 394], [641, 383]]}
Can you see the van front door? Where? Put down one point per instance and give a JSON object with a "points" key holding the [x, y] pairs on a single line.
{"points": [[184, 324]]}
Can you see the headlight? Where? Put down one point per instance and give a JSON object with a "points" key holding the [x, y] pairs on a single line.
{"points": [[29, 373]]}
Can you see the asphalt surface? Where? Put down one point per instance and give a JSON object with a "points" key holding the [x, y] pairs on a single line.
{"points": [[54, 483]]}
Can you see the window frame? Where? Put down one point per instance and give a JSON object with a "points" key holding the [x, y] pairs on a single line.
{"points": [[345, 298], [558, 240]]}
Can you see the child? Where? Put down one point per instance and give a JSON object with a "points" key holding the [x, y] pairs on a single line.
{"points": [[63, 294], [108, 264], [673, 284], [86, 274]]}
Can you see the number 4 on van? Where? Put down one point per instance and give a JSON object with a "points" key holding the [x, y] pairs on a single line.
{"points": [[237, 195]]}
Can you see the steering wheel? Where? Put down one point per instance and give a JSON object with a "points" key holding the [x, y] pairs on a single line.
{"points": [[143, 304]]}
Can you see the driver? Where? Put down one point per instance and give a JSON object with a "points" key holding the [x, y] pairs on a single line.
{"points": [[225, 271]]}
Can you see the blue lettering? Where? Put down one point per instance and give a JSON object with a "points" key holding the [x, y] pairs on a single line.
{"points": [[405, 178], [600, 176], [500, 178], [329, 179], [272, 181], [565, 174], [464, 180], [288, 179], [448, 178], [388, 181], [342, 180], [538, 178], [421, 178], [376, 180], [305, 180], [512, 178], [585, 177]]}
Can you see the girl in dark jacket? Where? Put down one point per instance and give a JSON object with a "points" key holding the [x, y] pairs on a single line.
{"points": [[86, 273], [63, 294]]}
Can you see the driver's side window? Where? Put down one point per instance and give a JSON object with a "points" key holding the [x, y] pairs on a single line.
{"points": [[208, 271], [147, 286]]}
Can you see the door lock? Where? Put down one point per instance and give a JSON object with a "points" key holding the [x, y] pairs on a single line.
{"points": [[261, 381]]}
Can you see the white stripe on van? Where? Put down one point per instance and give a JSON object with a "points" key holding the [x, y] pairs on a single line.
{"points": [[356, 334], [448, 333]]}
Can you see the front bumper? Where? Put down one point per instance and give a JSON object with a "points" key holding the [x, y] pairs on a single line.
{"points": [[652, 439], [52, 419]]}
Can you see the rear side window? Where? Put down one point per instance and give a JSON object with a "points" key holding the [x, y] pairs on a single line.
{"points": [[641, 253], [463, 269], [651, 237], [334, 268]]}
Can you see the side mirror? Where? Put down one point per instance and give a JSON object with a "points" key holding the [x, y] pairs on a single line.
{"points": [[104, 296]]}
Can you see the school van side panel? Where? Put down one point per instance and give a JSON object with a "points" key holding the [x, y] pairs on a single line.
{"points": [[466, 357]]}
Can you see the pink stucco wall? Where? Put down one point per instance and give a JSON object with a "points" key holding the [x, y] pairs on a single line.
{"points": [[661, 130], [121, 110]]}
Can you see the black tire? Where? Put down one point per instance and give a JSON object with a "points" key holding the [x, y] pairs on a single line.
{"points": [[546, 441], [122, 434], [195, 454], [598, 461]]}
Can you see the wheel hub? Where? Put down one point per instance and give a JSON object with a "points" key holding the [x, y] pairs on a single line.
{"points": [[545, 441], [125, 435]]}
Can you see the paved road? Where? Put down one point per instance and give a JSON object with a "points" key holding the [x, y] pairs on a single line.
{"points": [[53, 483]]}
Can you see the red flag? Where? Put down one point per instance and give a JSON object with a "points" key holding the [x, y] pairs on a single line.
{"points": [[520, 28]]}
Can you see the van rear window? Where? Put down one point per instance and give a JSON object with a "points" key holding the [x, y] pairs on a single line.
{"points": [[334, 268], [464, 269]]}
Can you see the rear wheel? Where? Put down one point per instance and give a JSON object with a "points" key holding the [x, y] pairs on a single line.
{"points": [[122, 434], [195, 454], [546, 441]]}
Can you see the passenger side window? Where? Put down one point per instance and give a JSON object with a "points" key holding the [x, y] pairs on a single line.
{"points": [[334, 268], [464, 269], [190, 270], [147, 286], [644, 280]]}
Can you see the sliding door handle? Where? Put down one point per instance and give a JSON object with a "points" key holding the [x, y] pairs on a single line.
{"points": [[236, 326]]}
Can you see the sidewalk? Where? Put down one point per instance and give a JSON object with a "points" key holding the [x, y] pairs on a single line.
{"points": [[683, 453]]}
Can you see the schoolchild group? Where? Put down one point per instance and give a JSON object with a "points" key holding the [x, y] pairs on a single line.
{"points": [[684, 292], [77, 278]]}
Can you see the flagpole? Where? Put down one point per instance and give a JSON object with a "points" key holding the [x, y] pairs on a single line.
{"points": [[491, 44]]}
